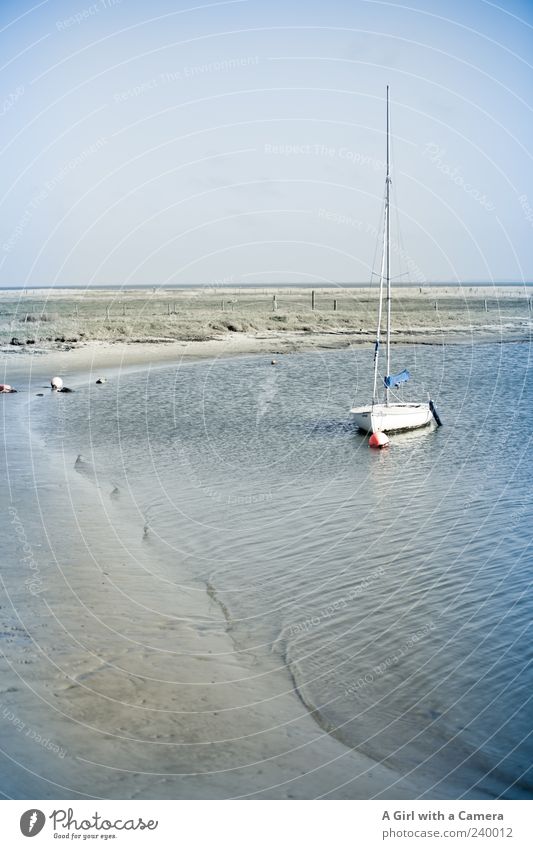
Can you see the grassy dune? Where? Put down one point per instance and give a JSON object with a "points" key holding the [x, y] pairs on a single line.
{"points": [[68, 318]]}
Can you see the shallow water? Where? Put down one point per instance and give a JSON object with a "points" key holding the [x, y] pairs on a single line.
{"points": [[393, 584]]}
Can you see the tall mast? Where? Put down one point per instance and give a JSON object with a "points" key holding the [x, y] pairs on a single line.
{"points": [[378, 332], [387, 251]]}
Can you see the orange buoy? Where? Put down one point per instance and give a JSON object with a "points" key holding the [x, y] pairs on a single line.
{"points": [[378, 440]]}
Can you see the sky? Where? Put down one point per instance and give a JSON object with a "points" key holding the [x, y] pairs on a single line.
{"points": [[243, 142]]}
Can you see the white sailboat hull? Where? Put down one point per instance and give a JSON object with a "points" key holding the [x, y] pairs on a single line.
{"points": [[394, 417]]}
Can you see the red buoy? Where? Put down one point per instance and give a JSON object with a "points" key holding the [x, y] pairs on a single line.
{"points": [[378, 440]]}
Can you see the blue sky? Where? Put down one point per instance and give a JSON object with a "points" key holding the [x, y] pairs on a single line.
{"points": [[172, 143]]}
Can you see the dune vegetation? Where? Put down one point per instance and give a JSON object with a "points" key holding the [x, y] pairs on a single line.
{"points": [[62, 318]]}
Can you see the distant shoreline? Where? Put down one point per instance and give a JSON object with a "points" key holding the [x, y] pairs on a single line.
{"points": [[225, 285]]}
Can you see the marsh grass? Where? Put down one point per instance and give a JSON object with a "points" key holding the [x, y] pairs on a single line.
{"points": [[68, 317]]}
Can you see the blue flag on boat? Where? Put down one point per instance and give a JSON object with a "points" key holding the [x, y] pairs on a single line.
{"points": [[396, 379]]}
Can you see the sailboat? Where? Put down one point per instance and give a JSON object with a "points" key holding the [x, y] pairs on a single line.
{"points": [[390, 415]]}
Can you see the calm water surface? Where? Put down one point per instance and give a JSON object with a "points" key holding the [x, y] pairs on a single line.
{"points": [[394, 585]]}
